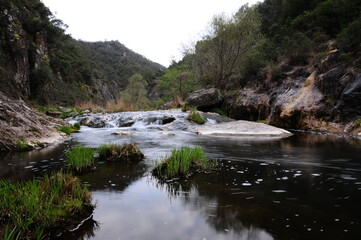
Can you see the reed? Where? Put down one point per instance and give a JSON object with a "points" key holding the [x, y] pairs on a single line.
{"points": [[181, 163], [29, 209], [80, 157], [128, 152]]}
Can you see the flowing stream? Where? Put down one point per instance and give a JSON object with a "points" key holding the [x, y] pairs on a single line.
{"points": [[307, 186]]}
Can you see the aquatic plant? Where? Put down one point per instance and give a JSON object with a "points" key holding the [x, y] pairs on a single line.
{"points": [[182, 162], [195, 117], [128, 152], [80, 157], [30, 209]]}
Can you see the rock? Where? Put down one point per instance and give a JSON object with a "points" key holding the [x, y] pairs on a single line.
{"points": [[19, 122], [250, 105], [329, 83], [93, 122], [53, 113], [215, 117], [167, 134], [242, 128], [349, 104], [123, 133], [205, 99]]}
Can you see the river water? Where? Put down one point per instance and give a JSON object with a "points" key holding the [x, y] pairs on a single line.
{"points": [[307, 186]]}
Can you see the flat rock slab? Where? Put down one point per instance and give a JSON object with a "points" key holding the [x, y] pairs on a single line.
{"points": [[243, 128]]}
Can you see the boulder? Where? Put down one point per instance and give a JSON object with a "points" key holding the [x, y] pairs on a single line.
{"points": [[243, 128], [329, 83], [93, 122], [349, 104], [205, 99]]}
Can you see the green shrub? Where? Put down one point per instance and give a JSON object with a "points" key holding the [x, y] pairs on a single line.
{"points": [[76, 126], [114, 152], [80, 157], [195, 117], [181, 163], [29, 209]]}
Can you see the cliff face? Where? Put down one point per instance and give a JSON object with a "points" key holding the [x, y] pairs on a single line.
{"points": [[305, 97]]}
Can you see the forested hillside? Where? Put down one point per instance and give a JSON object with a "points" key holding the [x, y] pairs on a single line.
{"points": [[291, 63], [39, 62]]}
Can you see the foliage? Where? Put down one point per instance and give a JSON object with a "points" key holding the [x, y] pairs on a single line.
{"points": [[350, 38], [136, 93], [229, 42], [69, 129], [114, 152], [22, 146], [181, 163], [176, 82], [80, 157], [195, 117], [30, 209]]}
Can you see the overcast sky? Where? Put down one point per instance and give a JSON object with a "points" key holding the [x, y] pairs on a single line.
{"points": [[156, 29]]}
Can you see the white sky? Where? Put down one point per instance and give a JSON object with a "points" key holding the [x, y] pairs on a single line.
{"points": [[156, 29]]}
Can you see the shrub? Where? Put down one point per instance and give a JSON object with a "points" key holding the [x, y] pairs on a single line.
{"points": [[28, 209], [195, 117], [80, 157], [181, 163], [114, 152]]}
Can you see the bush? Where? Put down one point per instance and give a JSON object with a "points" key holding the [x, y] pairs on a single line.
{"points": [[195, 117], [114, 152], [80, 157], [70, 129], [181, 163]]}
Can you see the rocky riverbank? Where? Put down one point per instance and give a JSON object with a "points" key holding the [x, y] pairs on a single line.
{"points": [[19, 124]]}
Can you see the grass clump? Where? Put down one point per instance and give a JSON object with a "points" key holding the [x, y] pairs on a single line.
{"points": [[22, 146], [30, 209], [70, 129], [128, 152], [80, 157], [195, 117], [181, 163]]}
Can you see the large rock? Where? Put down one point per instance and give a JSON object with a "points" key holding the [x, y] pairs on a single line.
{"points": [[350, 102], [330, 82], [204, 99], [250, 105], [243, 128], [19, 122]]}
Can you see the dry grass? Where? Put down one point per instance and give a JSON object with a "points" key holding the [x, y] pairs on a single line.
{"points": [[90, 106], [118, 106]]}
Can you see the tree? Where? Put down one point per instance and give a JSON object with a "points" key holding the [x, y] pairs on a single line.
{"points": [[176, 82], [135, 94], [219, 55]]}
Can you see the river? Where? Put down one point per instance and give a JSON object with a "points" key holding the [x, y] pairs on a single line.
{"points": [[307, 186]]}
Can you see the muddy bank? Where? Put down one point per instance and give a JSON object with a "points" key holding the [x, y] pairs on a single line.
{"points": [[20, 122]]}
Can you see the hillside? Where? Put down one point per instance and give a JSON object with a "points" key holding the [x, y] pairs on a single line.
{"points": [[292, 64], [40, 62]]}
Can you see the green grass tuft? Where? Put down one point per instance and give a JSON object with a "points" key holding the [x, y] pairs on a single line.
{"points": [[28, 209], [22, 146], [182, 162], [195, 117], [80, 157], [114, 152], [70, 129]]}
